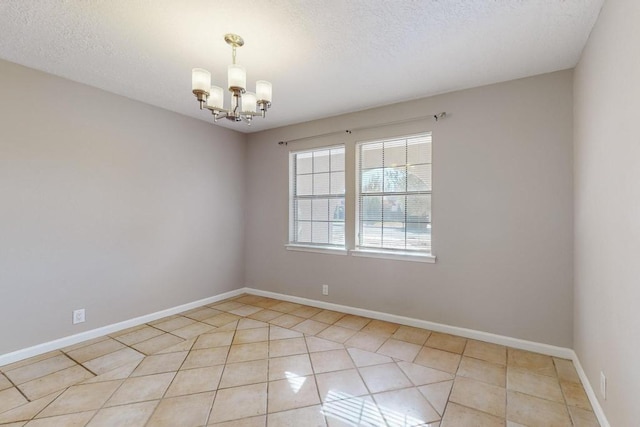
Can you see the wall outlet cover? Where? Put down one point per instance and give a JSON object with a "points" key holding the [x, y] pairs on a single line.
{"points": [[78, 316]]}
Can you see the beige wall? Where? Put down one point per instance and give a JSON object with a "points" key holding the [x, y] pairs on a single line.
{"points": [[110, 205], [607, 207], [502, 215]]}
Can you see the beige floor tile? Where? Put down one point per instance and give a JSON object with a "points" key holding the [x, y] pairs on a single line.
{"points": [[113, 360], [250, 324], [315, 344], [28, 410], [283, 367], [285, 307], [438, 359], [259, 421], [535, 412], [379, 327], [193, 381], [356, 411], [246, 310], [306, 311], [286, 321], [265, 315], [133, 415], [11, 398], [310, 327], [184, 345], [121, 373], [483, 371], [288, 347], [219, 320], [353, 322], [72, 420], [142, 334], [206, 357], [386, 377], [328, 316], [96, 350], [421, 375], [292, 393], [193, 330], [86, 397], [513, 424], [231, 326], [4, 382], [174, 323], [249, 299], [243, 373], [583, 418], [534, 362], [133, 390], [57, 381], [399, 350], [367, 358], [312, 416], [566, 371], [413, 335], [95, 340], [17, 424], [446, 342], [227, 305], [437, 394], [459, 416], [366, 341], [183, 411], [541, 386], [406, 407], [575, 395], [248, 352], [214, 339], [488, 352], [278, 333], [479, 395], [158, 343], [247, 336], [201, 313], [239, 402], [39, 369], [332, 360], [340, 385], [160, 363], [267, 303], [337, 334], [35, 359]]}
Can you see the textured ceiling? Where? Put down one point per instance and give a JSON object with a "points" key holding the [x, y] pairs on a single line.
{"points": [[323, 57]]}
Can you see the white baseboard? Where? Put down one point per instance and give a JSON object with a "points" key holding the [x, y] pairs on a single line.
{"points": [[591, 394], [109, 329], [562, 352]]}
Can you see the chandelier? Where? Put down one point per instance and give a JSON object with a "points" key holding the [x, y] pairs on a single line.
{"points": [[244, 105]]}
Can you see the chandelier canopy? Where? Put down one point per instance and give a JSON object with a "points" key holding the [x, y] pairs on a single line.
{"points": [[244, 105]]}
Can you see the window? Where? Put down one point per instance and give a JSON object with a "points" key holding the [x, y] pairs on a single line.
{"points": [[317, 205], [394, 194]]}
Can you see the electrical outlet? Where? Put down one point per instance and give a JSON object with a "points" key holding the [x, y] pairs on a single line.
{"points": [[325, 289], [78, 316], [603, 385]]}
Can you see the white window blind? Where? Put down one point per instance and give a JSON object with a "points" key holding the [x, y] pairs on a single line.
{"points": [[317, 197], [394, 194]]}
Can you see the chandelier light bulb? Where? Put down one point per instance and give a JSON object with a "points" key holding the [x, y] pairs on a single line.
{"points": [[249, 102], [264, 90]]}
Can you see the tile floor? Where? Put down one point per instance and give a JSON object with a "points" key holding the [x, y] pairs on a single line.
{"points": [[253, 361]]}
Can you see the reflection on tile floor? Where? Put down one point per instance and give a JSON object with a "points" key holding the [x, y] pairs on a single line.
{"points": [[253, 361]]}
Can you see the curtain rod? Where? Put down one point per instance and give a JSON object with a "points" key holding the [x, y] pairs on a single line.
{"points": [[437, 117]]}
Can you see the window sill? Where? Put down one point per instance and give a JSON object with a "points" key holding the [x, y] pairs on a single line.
{"points": [[396, 255], [317, 249]]}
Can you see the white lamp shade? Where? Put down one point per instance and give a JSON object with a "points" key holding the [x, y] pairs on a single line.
{"points": [[249, 102], [237, 76], [263, 90], [216, 98], [200, 79]]}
